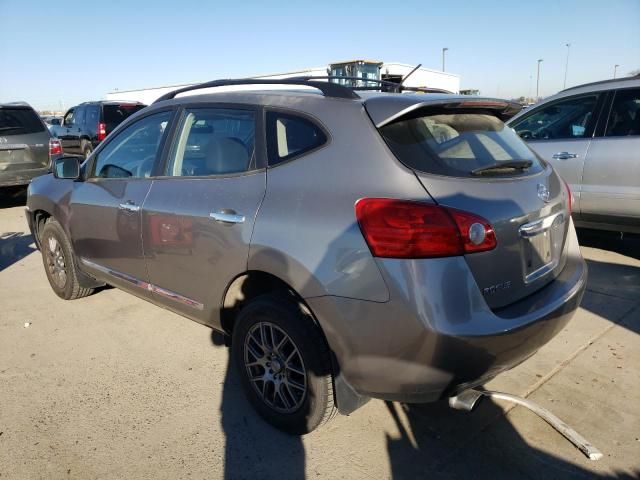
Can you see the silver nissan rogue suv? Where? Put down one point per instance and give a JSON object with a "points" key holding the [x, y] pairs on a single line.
{"points": [[348, 244]]}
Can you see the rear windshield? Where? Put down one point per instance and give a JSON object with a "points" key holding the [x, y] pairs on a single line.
{"points": [[114, 115], [457, 144], [19, 121]]}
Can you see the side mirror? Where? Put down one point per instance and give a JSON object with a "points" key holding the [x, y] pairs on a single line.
{"points": [[67, 167], [55, 121]]}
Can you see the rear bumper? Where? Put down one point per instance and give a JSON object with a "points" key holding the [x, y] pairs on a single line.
{"points": [[21, 177], [434, 337]]}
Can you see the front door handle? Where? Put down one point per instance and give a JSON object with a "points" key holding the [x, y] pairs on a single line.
{"points": [[564, 155], [227, 216], [129, 207]]}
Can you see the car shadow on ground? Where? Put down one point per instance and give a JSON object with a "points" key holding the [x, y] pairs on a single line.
{"points": [[627, 244], [619, 282], [13, 197], [438, 442], [434, 442], [14, 246], [253, 448]]}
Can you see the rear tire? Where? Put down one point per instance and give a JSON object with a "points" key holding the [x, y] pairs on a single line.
{"points": [[59, 263], [87, 150], [284, 364]]}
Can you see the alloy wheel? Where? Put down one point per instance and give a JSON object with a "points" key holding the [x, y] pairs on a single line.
{"points": [[275, 367], [56, 262]]}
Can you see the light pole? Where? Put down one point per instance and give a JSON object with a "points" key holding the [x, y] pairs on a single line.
{"points": [[540, 60], [443, 51], [615, 68], [566, 66]]}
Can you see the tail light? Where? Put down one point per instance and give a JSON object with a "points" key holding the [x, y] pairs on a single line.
{"points": [[55, 147], [569, 197], [102, 131], [406, 229]]}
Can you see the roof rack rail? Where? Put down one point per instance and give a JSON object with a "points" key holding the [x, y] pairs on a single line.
{"points": [[328, 89], [601, 82], [393, 86]]}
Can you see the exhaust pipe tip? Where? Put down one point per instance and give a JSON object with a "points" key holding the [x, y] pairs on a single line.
{"points": [[465, 400]]}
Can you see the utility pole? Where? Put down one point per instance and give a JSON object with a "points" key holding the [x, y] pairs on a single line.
{"points": [[566, 67], [443, 51], [540, 60], [615, 68]]}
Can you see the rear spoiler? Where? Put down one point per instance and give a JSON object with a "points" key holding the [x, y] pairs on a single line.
{"points": [[384, 110]]}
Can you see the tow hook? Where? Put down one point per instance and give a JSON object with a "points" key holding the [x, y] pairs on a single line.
{"points": [[468, 399]]}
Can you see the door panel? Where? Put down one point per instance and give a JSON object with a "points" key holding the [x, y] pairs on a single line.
{"points": [[199, 219], [65, 130], [191, 256], [569, 167], [105, 218], [75, 132], [611, 180], [107, 237], [560, 131]]}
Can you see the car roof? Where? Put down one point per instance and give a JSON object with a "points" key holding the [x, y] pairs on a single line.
{"points": [[383, 107], [109, 102], [606, 84], [603, 85], [15, 104]]}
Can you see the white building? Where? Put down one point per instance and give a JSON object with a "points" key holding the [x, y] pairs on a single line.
{"points": [[392, 71]]}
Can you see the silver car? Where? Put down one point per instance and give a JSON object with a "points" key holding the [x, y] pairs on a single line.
{"points": [[347, 244], [591, 135]]}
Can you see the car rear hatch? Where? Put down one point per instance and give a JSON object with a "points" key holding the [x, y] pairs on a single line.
{"points": [[468, 160], [24, 139]]}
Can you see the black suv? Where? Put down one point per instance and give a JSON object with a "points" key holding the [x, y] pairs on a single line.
{"points": [[86, 125], [26, 147]]}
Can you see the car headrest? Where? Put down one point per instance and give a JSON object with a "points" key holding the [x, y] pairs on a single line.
{"points": [[225, 155]]}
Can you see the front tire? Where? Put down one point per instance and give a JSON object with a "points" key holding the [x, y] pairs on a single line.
{"points": [[59, 263], [284, 364]]}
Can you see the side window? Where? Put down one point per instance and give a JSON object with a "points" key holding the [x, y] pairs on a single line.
{"points": [[92, 117], [213, 141], [68, 119], [289, 136], [571, 118], [624, 119], [132, 153], [78, 116]]}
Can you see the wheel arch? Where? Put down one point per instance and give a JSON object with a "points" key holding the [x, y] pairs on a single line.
{"points": [[254, 283], [249, 285]]}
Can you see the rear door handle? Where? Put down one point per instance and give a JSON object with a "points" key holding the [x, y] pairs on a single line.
{"points": [[227, 216], [129, 207], [564, 155]]}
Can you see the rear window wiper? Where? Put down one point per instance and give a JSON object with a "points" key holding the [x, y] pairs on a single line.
{"points": [[510, 164]]}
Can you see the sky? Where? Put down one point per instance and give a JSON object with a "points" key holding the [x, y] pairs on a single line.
{"points": [[58, 53]]}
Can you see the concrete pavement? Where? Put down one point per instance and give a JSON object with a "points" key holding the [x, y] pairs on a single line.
{"points": [[111, 386]]}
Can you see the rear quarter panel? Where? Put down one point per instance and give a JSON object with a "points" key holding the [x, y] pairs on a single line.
{"points": [[306, 231]]}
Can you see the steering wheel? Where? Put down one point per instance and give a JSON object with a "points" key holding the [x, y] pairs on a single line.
{"points": [[526, 134], [544, 133]]}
